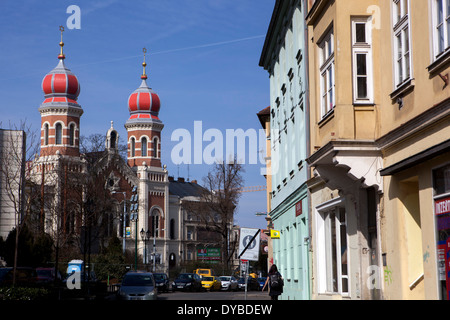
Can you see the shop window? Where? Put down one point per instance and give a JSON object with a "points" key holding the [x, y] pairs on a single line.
{"points": [[441, 185]]}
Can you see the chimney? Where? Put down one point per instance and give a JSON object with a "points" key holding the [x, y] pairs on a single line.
{"points": [[171, 178], [194, 181], [180, 179]]}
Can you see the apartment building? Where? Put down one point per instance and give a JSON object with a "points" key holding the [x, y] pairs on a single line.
{"points": [[284, 57], [380, 115], [414, 131], [346, 187], [12, 179]]}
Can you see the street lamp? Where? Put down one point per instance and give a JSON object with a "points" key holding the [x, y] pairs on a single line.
{"points": [[124, 219], [145, 236]]}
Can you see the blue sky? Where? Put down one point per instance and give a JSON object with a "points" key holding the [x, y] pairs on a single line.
{"points": [[202, 61]]}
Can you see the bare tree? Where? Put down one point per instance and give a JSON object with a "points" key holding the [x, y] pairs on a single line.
{"points": [[218, 203]]}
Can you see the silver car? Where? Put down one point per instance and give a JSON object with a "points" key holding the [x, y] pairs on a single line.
{"points": [[138, 286], [229, 283]]}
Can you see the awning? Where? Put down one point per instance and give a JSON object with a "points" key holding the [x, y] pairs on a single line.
{"points": [[418, 158]]}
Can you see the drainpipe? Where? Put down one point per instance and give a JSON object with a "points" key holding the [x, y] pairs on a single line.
{"points": [[308, 140]]}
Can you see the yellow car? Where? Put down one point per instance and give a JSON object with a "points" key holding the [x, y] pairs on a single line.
{"points": [[211, 283]]}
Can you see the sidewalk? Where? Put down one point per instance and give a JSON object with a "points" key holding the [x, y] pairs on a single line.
{"points": [[252, 295]]}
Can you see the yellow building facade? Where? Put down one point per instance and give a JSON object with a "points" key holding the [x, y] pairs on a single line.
{"points": [[346, 187], [414, 131], [380, 149]]}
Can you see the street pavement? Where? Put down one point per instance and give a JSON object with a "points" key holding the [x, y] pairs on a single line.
{"points": [[214, 295]]}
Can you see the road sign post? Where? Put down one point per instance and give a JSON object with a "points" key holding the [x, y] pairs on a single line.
{"points": [[248, 249], [249, 244]]}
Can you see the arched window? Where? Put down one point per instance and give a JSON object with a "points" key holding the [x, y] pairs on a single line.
{"points": [[133, 147], [155, 147], [72, 135], [155, 221], [46, 134], [113, 140], [155, 226], [144, 147], [58, 133]]}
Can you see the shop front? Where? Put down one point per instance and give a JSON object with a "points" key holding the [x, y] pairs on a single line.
{"points": [[441, 186]]}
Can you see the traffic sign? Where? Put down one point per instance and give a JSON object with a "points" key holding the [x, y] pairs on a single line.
{"points": [[249, 241]]}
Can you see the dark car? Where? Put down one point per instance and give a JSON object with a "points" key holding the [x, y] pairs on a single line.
{"points": [[252, 284], [187, 281], [137, 285], [46, 276], [162, 282], [25, 277]]}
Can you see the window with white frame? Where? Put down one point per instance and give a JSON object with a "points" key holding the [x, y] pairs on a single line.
{"points": [[441, 26], [332, 256], [72, 134], [58, 133], [362, 60], [144, 147], [327, 83], [133, 147], [46, 132], [402, 47]]}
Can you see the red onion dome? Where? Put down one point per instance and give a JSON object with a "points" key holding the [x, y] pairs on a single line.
{"points": [[144, 103], [144, 100], [61, 82]]}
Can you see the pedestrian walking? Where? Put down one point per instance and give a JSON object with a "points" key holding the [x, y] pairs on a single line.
{"points": [[275, 282]]}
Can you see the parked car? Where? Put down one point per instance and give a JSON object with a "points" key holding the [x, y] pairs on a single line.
{"points": [[211, 283], [46, 276], [252, 284], [162, 281], [228, 283], [138, 285], [25, 277], [204, 272], [187, 281], [262, 281]]}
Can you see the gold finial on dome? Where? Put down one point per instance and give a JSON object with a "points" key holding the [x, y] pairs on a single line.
{"points": [[61, 44], [144, 75]]}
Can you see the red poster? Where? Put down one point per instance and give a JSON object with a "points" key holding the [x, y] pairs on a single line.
{"points": [[298, 208], [442, 206]]}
